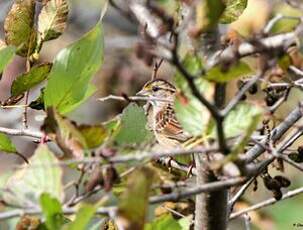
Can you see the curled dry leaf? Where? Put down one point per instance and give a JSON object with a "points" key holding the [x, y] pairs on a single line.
{"points": [[18, 27], [52, 19], [65, 133]]}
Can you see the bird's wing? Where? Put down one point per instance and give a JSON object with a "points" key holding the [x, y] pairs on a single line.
{"points": [[168, 125]]}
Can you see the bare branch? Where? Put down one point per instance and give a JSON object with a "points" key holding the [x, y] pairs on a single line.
{"points": [[21, 132], [276, 134], [267, 203]]}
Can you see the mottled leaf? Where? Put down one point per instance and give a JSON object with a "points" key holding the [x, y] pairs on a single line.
{"points": [[192, 115], [52, 211], [133, 203], [133, 126], [234, 8], [52, 19], [28, 80], [19, 26], [6, 55], [94, 135], [41, 175], [73, 68], [240, 69]]}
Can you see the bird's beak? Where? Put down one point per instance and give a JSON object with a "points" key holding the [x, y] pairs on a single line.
{"points": [[142, 92]]}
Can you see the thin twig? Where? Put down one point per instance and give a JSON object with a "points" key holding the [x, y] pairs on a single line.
{"points": [[213, 186], [132, 98], [236, 99], [21, 132], [241, 191], [267, 203], [277, 133]]}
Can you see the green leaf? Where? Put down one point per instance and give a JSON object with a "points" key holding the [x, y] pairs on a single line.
{"points": [[133, 126], [83, 216], [66, 134], [252, 122], [186, 222], [41, 175], [28, 80], [192, 115], [52, 211], [208, 13], [18, 26], [233, 10], [240, 119], [237, 70], [52, 19], [6, 144], [298, 158], [38, 103], [72, 70], [6, 56], [285, 25], [164, 222], [133, 203], [94, 135]]}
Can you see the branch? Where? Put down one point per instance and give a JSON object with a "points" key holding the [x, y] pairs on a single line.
{"points": [[267, 203], [209, 187], [21, 132], [241, 191], [236, 99], [276, 42], [276, 134], [111, 210], [127, 158], [132, 98]]}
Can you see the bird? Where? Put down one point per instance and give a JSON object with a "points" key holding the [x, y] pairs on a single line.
{"points": [[167, 129], [163, 122]]}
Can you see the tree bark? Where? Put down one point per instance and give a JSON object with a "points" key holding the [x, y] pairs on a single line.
{"points": [[211, 211]]}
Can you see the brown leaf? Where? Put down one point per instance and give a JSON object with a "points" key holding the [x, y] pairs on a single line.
{"points": [[52, 19], [19, 26], [65, 133], [134, 201]]}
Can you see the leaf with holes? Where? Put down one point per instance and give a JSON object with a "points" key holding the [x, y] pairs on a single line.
{"points": [[28, 80], [18, 26], [73, 68], [25, 186], [52, 19], [133, 203], [233, 10]]}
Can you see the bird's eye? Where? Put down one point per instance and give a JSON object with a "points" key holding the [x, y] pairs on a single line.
{"points": [[155, 88]]}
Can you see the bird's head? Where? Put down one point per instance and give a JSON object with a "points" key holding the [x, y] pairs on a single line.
{"points": [[158, 88]]}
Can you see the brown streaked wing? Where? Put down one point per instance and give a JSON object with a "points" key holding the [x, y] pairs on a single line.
{"points": [[168, 125]]}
